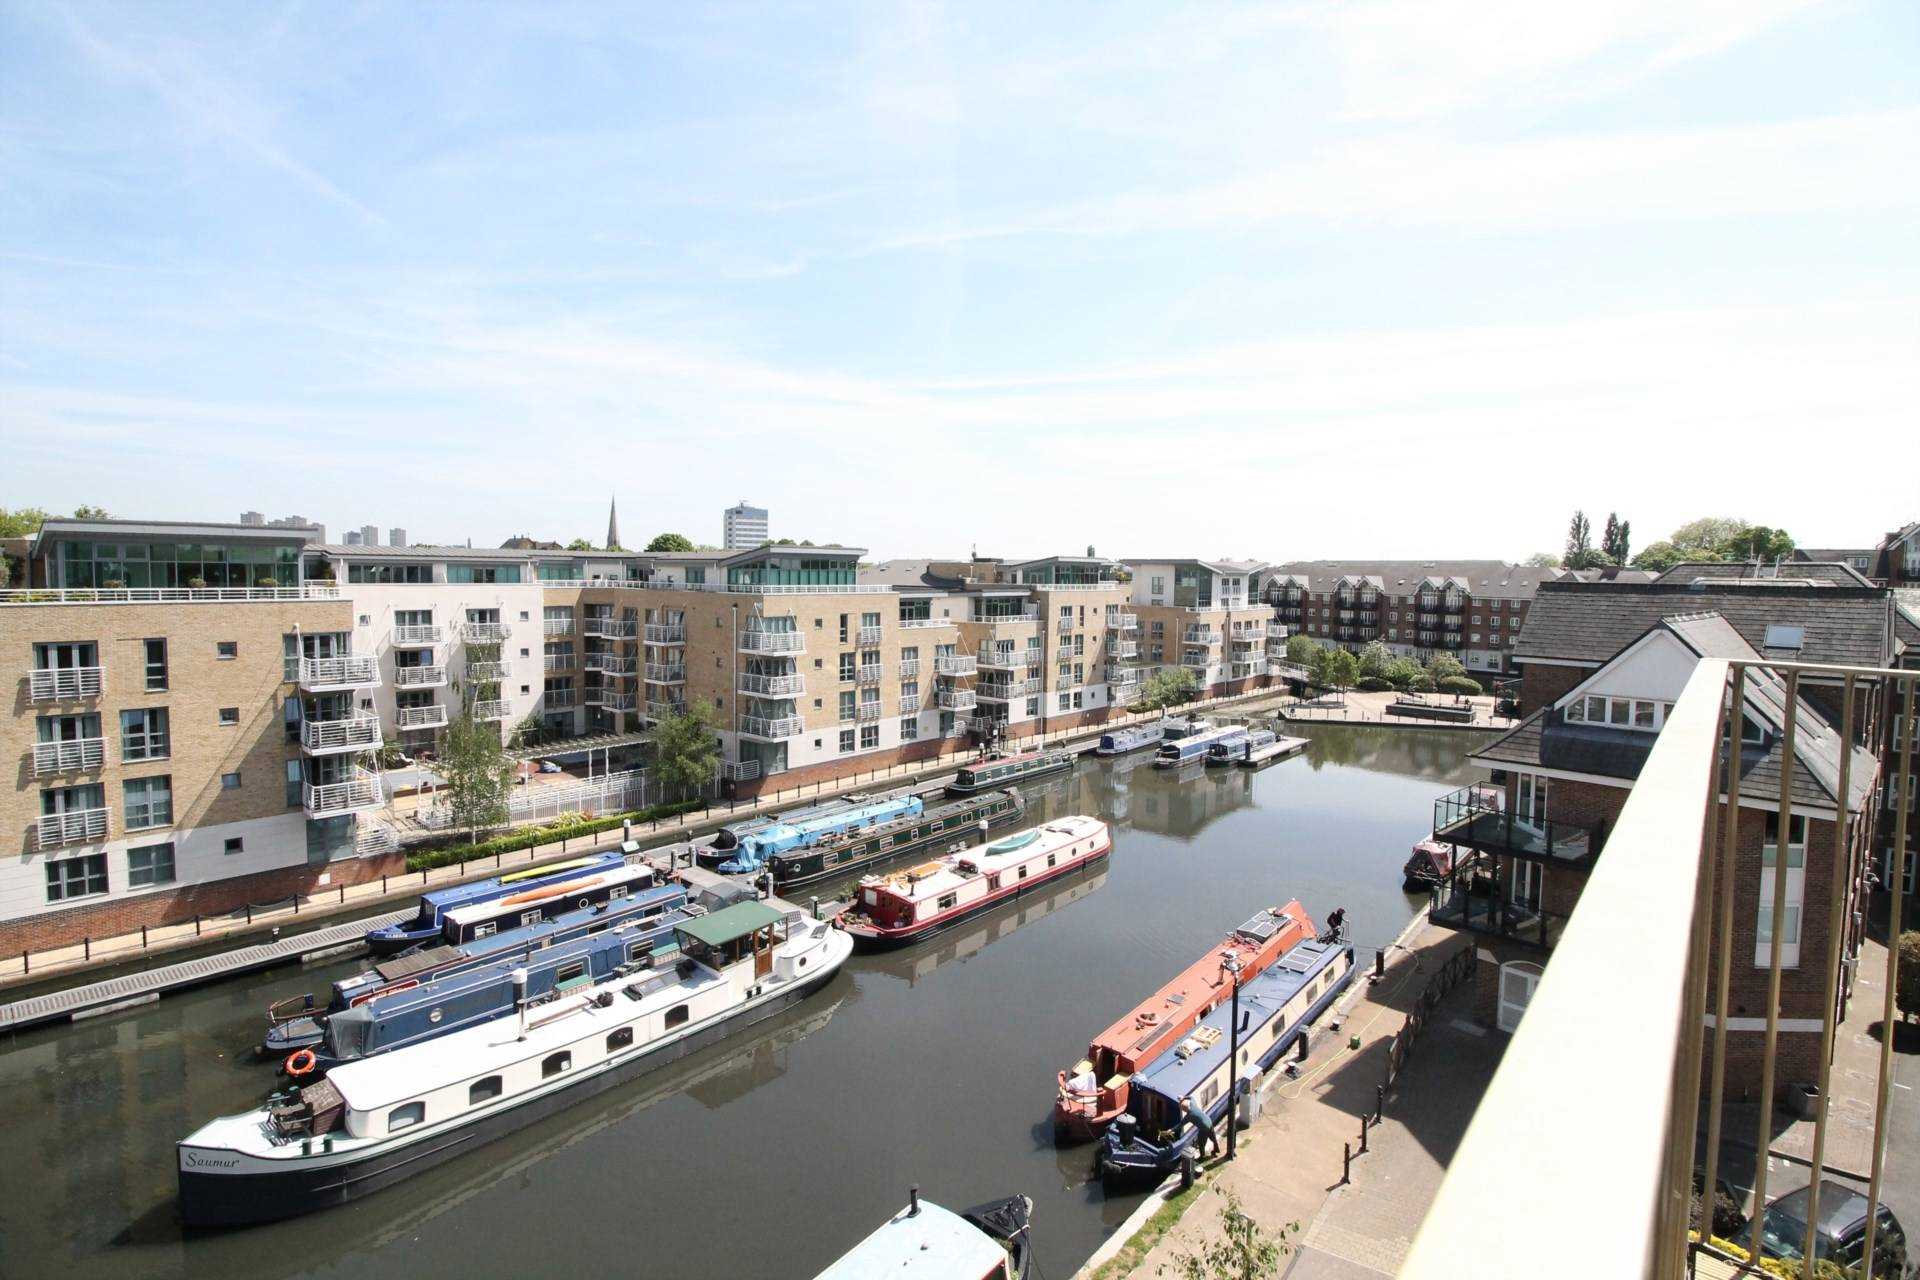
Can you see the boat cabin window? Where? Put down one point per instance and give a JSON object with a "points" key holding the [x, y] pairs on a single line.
{"points": [[638, 951], [948, 900], [485, 930], [529, 917], [556, 1063], [573, 971], [677, 1016], [616, 894], [484, 1091], [1050, 859], [1023, 871], [406, 1116], [619, 1038]]}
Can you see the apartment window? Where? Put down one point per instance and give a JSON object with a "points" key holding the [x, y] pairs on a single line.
{"points": [[229, 782], [1066, 701], [229, 716], [405, 1116], [847, 662], [226, 650], [910, 653], [236, 844], [843, 630], [1033, 707], [149, 802], [143, 734], [82, 877], [910, 690], [846, 741], [846, 704], [909, 728], [156, 655], [484, 1090], [869, 736], [150, 864]]}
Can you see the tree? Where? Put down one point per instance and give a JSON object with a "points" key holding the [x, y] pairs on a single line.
{"points": [[21, 522], [1543, 560], [84, 512], [1300, 650], [1242, 1250], [1375, 657], [1658, 557], [579, 544], [686, 753], [1579, 540], [1343, 669], [1908, 996], [1402, 672], [1758, 542], [1702, 539], [1618, 539], [1168, 687], [670, 542], [478, 775], [1444, 666]]}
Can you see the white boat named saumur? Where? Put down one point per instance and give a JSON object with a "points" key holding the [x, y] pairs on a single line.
{"points": [[371, 1123]]}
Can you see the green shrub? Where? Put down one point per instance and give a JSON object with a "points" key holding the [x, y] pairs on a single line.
{"points": [[568, 826], [1461, 684], [1374, 684], [1420, 684]]}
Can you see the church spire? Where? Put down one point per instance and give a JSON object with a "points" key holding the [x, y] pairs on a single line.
{"points": [[613, 524]]}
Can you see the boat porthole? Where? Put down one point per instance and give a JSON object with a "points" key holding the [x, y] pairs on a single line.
{"points": [[585, 903], [434, 1016]]}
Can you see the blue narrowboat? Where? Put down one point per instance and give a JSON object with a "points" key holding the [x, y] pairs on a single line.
{"points": [[299, 1022], [803, 832], [1145, 1143], [1131, 738], [1227, 751], [426, 925], [1194, 747]]}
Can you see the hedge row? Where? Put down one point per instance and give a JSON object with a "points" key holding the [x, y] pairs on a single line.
{"points": [[1461, 684], [568, 827]]}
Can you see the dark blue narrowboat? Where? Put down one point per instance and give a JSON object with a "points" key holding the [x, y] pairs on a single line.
{"points": [[1145, 1143], [427, 922]]}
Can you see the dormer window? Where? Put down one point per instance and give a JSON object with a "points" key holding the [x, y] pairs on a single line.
{"points": [[1752, 731]]}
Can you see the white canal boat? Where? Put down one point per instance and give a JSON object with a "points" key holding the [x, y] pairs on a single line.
{"points": [[372, 1123]]}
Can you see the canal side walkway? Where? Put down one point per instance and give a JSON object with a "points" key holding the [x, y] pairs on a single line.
{"points": [[1370, 707], [1291, 1159], [168, 942]]}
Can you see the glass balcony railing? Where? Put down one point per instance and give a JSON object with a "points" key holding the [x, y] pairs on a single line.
{"points": [[1475, 816]]}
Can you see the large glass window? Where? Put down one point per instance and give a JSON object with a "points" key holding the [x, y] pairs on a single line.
{"points": [[175, 564], [82, 877], [389, 573], [156, 662], [143, 734], [149, 802], [483, 573], [150, 864]]}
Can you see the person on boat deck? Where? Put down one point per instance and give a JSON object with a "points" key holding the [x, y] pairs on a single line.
{"points": [[1336, 920], [1198, 1116]]}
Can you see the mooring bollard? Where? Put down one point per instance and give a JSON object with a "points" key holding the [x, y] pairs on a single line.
{"points": [[196, 924], [1186, 1169], [1380, 963], [1346, 1163], [1363, 1135], [1379, 1102], [87, 945], [143, 937], [816, 908], [1300, 1048]]}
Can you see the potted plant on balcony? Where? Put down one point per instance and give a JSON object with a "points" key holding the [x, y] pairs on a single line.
{"points": [[196, 584]]}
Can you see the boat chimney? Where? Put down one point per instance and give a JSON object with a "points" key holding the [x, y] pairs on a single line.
{"points": [[520, 999], [913, 1201]]}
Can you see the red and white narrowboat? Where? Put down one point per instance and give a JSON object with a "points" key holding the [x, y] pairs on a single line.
{"points": [[891, 911], [1094, 1090]]}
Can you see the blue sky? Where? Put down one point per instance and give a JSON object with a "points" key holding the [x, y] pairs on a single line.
{"points": [[1384, 277]]}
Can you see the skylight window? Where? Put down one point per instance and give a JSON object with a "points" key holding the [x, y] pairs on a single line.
{"points": [[1780, 635]]}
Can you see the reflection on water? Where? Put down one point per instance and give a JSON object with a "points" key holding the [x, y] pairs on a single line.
{"points": [[773, 1153]]}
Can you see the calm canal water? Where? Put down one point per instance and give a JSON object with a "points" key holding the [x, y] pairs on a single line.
{"points": [[774, 1152]]}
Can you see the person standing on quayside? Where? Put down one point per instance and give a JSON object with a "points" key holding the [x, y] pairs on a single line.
{"points": [[1207, 1136]]}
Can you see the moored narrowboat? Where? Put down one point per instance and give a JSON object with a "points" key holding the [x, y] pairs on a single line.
{"points": [[530, 885], [373, 1123], [910, 905], [1430, 863], [1118, 742], [1094, 1090], [1145, 1142], [755, 848], [1195, 747], [944, 828], [1004, 771], [1231, 750], [987, 1242]]}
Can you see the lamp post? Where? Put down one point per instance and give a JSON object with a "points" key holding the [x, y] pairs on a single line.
{"points": [[1233, 1058]]}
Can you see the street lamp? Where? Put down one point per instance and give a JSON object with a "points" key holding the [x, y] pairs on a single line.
{"points": [[1233, 1058]]}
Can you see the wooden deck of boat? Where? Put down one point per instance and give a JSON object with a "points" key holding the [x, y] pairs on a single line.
{"points": [[149, 985]]}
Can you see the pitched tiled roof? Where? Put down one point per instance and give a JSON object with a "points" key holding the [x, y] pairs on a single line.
{"points": [[1488, 579], [1592, 621], [1747, 571]]}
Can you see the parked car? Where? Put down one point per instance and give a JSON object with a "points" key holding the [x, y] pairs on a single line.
{"points": [[1841, 1232]]}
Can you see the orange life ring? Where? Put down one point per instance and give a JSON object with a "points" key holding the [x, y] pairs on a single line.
{"points": [[301, 1062]]}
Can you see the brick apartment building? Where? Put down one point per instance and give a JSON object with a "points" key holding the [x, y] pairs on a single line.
{"points": [[1602, 664]]}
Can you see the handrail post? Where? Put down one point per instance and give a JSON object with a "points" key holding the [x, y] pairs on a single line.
{"points": [[1782, 855], [1897, 870]]}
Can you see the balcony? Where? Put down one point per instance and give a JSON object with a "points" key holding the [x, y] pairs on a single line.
{"points": [[666, 633], [868, 674], [354, 794], [1278, 631], [494, 709], [955, 664], [1025, 616], [1123, 677], [1198, 664], [771, 728], [487, 672], [63, 684], [909, 706], [1200, 635], [558, 662], [322, 675], [428, 677], [484, 632], [1124, 621], [75, 826], [1123, 649], [754, 640], [1710, 1062], [985, 726], [558, 628], [918, 623], [65, 757], [996, 658], [665, 709], [1475, 816], [666, 673], [357, 732], [910, 668], [559, 699], [608, 698], [1470, 898], [1124, 694], [787, 686], [1006, 690], [868, 712], [418, 637], [433, 717], [740, 770], [1063, 626], [957, 699], [611, 664], [867, 635]]}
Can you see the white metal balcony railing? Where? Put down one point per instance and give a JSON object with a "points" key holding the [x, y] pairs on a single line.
{"points": [[1006, 690], [350, 795], [1197, 663], [418, 637], [957, 699], [772, 686], [867, 635], [484, 632], [610, 664], [559, 699], [71, 827], [492, 709], [487, 672], [1123, 648], [1064, 626], [1278, 631], [608, 698], [773, 727], [558, 661], [433, 717], [909, 706], [1121, 677], [917, 623], [954, 664], [57, 684], [665, 709], [869, 674], [666, 633], [349, 672], [64, 757], [909, 668], [1125, 693], [740, 770], [984, 725], [666, 673], [996, 658], [357, 732], [867, 712], [1663, 894], [1123, 621], [164, 595], [753, 640], [425, 677], [558, 627], [1200, 635], [1007, 619], [374, 837]]}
